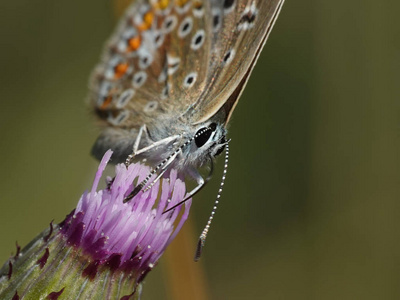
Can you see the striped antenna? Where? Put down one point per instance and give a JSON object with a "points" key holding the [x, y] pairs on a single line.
{"points": [[203, 235]]}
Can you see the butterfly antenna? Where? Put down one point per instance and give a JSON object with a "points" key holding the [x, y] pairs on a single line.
{"points": [[162, 164], [203, 236]]}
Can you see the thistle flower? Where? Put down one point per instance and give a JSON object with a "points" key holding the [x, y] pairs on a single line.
{"points": [[104, 248]]}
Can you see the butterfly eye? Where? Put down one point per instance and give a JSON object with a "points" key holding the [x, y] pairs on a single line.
{"points": [[203, 134]]}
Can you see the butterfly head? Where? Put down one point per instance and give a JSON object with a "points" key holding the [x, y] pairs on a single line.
{"points": [[209, 140]]}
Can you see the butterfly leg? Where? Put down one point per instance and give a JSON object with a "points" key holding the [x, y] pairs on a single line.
{"points": [[192, 172], [158, 143], [130, 157], [153, 145], [163, 166], [140, 186]]}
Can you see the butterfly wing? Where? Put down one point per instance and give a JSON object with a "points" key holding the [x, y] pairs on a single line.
{"points": [[143, 77], [241, 28], [180, 59]]}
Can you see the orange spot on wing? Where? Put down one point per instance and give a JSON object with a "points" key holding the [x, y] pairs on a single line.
{"points": [[134, 43], [147, 21], [107, 101], [162, 4], [181, 2], [120, 70], [198, 4]]}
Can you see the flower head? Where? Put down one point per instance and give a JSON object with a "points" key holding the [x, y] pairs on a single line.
{"points": [[102, 240], [136, 232]]}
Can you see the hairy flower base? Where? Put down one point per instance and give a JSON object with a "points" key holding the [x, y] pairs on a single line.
{"points": [[105, 247], [49, 268]]}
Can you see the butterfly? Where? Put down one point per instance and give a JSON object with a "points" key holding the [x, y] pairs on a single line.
{"points": [[170, 78]]}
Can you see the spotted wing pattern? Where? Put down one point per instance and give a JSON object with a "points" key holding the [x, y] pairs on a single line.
{"points": [[176, 59], [153, 64], [240, 30]]}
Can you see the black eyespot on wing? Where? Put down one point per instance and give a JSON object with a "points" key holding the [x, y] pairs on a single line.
{"points": [[189, 80], [139, 79], [186, 27], [247, 18], [198, 40], [227, 56], [213, 126], [202, 136], [169, 24], [228, 3], [216, 20]]}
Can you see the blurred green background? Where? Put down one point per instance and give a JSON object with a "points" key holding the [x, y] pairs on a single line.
{"points": [[311, 204]]}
